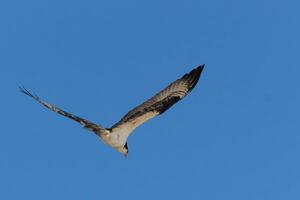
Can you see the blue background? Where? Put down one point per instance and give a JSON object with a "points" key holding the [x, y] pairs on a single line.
{"points": [[236, 136]]}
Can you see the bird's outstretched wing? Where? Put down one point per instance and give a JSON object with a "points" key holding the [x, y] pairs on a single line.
{"points": [[160, 102], [85, 123]]}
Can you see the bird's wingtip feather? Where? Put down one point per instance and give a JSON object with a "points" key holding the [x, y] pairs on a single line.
{"points": [[26, 91], [201, 67]]}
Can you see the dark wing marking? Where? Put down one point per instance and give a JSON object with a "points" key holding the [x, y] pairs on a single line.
{"points": [[85, 123], [160, 102]]}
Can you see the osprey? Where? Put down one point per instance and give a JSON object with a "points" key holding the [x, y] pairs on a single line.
{"points": [[117, 135]]}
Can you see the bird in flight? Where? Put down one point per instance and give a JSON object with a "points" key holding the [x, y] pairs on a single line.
{"points": [[117, 135]]}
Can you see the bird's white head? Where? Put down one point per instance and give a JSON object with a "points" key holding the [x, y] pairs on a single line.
{"points": [[123, 150]]}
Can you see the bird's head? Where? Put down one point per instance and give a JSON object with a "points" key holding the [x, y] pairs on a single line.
{"points": [[124, 150]]}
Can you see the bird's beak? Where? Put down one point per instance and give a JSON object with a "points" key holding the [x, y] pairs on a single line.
{"points": [[126, 154]]}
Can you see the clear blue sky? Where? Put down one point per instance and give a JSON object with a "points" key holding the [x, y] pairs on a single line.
{"points": [[236, 136]]}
